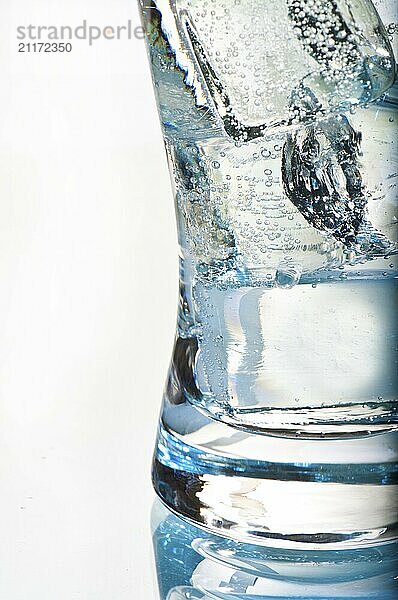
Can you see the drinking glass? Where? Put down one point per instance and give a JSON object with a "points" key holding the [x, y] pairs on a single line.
{"points": [[279, 120]]}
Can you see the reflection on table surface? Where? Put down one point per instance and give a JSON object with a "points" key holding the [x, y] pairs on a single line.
{"points": [[195, 565]]}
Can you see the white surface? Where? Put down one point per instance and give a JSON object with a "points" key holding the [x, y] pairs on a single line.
{"points": [[88, 277]]}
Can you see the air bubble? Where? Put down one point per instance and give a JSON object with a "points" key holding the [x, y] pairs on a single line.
{"points": [[288, 275]]}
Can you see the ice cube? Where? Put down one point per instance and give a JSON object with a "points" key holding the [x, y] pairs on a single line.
{"points": [[246, 58]]}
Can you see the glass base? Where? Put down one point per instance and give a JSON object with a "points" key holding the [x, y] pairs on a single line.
{"points": [[276, 491]]}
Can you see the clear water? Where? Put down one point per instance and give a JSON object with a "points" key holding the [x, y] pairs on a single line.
{"points": [[280, 129]]}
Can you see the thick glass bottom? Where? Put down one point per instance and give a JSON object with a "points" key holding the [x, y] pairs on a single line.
{"points": [[281, 492]]}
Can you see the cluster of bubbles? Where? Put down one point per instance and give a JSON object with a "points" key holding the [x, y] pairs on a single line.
{"points": [[270, 184]]}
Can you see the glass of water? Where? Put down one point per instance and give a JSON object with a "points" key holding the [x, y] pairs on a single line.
{"points": [[279, 120]]}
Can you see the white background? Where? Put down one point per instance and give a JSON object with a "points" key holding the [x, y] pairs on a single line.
{"points": [[88, 277]]}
